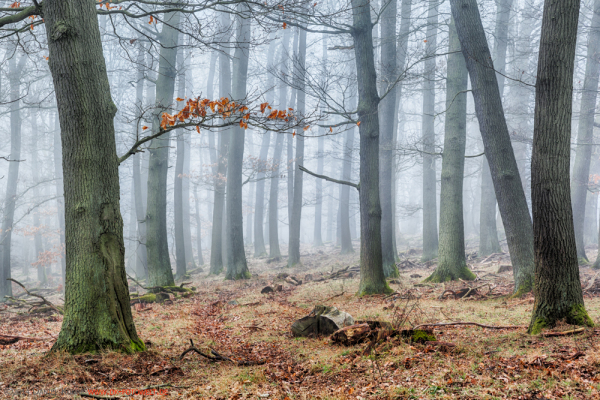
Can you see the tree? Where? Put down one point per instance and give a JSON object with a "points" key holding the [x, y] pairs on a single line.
{"points": [[452, 264], [496, 141], [237, 267], [585, 133], [97, 310], [430, 232], [372, 278], [558, 293]]}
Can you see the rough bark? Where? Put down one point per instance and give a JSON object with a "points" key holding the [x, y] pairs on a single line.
{"points": [[389, 74], [585, 133], [496, 142], [372, 278], [558, 294], [159, 263], [430, 229], [237, 267], [452, 263], [97, 311]]}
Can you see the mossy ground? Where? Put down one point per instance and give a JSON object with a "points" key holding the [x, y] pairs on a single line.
{"points": [[308, 368]]}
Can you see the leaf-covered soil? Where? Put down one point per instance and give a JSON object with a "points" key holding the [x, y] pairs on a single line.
{"points": [[248, 327]]}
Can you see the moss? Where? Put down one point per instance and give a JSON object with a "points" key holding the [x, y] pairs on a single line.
{"points": [[369, 290], [421, 336], [524, 288], [148, 298], [583, 261], [240, 275], [391, 271], [442, 274], [537, 326], [579, 316], [137, 346]]}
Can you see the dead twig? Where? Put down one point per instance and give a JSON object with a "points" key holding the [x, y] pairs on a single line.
{"points": [[565, 333], [470, 323], [44, 301], [93, 396]]}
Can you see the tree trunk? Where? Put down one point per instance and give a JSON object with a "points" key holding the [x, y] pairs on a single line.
{"points": [[237, 267], [318, 227], [585, 133], [372, 278], [15, 70], [430, 231], [217, 255], [452, 263], [249, 221], [496, 142], [157, 246], [389, 72], [294, 245], [35, 172], [344, 211], [97, 311], [558, 294]]}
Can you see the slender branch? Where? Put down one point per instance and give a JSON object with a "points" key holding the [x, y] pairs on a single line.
{"points": [[354, 185], [470, 323]]}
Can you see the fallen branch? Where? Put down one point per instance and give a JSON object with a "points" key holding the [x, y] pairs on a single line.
{"points": [[14, 339], [218, 357], [565, 333], [470, 323], [592, 281], [44, 301], [333, 297], [93, 396]]}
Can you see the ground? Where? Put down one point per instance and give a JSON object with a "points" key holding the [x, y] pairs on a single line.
{"points": [[240, 323]]}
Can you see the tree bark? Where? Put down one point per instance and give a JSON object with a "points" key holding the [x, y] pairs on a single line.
{"points": [[180, 250], [372, 278], [318, 227], [585, 133], [389, 72], [97, 311], [452, 263], [558, 294], [60, 200], [430, 229], [496, 142], [237, 267], [35, 172], [157, 246]]}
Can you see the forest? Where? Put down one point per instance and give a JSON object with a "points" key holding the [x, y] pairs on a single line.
{"points": [[293, 199]]}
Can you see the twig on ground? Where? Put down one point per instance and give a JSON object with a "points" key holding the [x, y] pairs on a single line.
{"points": [[93, 396], [333, 297], [565, 333], [470, 323]]}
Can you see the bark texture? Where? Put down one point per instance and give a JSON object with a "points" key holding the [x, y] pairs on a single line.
{"points": [[558, 294], [97, 310]]}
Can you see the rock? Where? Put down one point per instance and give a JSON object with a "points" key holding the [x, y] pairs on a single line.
{"points": [[282, 275], [278, 288], [267, 289], [233, 302], [322, 320], [351, 335], [292, 281], [394, 281], [504, 268], [415, 276], [308, 277]]}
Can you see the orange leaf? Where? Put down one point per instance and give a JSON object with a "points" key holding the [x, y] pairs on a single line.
{"points": [[15, 5], [306, 128], [294, 134], [241, 123], [151, 20], [144, 127], [263, 106], [358, 123], [330, 129], [284, 25], [179, 99], [273, 115], [198, 128]]}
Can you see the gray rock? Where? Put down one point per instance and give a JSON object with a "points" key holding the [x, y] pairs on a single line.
{"points": [[322, 320]]}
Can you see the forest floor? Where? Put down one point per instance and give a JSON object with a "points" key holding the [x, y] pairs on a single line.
{"points": [[239, 322]]}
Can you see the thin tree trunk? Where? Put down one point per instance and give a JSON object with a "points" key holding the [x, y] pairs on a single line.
{"points": [[198, 226], [344, 210], [97, 311], [35, 172], [558, 294], [249, 221], [178, 206], [452, 263], [318, 227], [60, 200], [217, 256], [237, 266], [496, 142], [389, 74], [585, 133], [430, 231], [159, 263], [13, 174], [372, 278]]}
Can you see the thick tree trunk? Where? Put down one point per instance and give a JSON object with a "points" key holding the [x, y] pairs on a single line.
{"points": [[558, 294], [8, 216], [452, 263], [389, 72], [430, 229], [330, 212], [372, 278], [585, 133], [237, 267], [250, 207], [159, 263], [300, 67], [496, 141], [217, 256], [97, 311]]}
